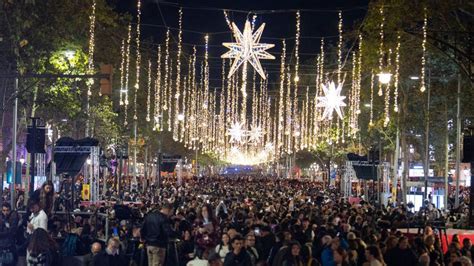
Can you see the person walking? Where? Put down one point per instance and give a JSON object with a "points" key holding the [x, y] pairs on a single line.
{"points": [[156, 231], [8, 228]]}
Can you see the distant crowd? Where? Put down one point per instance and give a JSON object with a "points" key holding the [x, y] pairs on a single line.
{"points": [[224, 221]]}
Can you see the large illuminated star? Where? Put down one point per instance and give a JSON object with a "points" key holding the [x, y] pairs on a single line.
{"points": [[236, 132], [332, 100], [247, 48]]}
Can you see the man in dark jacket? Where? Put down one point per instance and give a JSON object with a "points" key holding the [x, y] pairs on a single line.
{"points": [[401, 255], [8, 227], [238, 256], [111, 256], [156, 231], [89, 258]]}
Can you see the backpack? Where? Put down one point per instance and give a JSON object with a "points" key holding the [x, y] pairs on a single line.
{"points": [[69, 245]]}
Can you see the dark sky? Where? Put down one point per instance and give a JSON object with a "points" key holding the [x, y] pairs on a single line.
{"points": [[318, 19]]}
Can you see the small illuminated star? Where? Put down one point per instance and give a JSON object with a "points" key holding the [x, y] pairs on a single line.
{"points": [[236, 133], [332, 100], [247, 48], [255, 134]]}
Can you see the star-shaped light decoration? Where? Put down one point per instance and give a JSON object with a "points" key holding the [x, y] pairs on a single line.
{"points": [[247, 48], [332, 100], [255, 134], [236, 132]]}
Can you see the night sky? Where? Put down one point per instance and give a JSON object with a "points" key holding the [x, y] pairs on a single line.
{"points": [[318, 19]]}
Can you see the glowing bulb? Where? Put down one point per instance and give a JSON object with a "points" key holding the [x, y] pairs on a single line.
{"points": [[69, 54], [384, 78], [22, 160], [180, 117], [297, 78], [423, 88]]}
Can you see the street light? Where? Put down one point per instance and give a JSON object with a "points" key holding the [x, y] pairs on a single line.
{"points": [[69, 54], [414, 77], [384, 77]]}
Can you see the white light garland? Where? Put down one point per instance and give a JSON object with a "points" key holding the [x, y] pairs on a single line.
{"points": [[138, 61], [371, 122], [397, 74], [148, 93], [423, 56]]}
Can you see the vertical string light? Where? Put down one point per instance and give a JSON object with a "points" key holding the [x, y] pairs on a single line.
{"points": [[166, 103], [397, 73], [243, 90], [254, 98], [381, 47], [339, 73], [371, 121], [90, 65], [127, 73], [148, 93], [423, 55], [122, 72], [288, 119], [352, 94], [170, 97], [339, 50], [158, 110], [387, 94], [138, 61], [177, 123], [297, 46], [281, 130], [359, 77]]}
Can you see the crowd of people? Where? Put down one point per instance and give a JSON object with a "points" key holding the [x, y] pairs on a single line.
{"points": [[224, 221]]}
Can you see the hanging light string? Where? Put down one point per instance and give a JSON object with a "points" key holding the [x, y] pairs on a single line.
{"points": [[254, 99], [371, 122], [387, 93], [423, 56], [158, 110], [339, 50], [122, 72], [177, 123], [381, 47], [359, 78], [90, 65], [281, 129], [352, 95], [127, 73], [170, 96], [148, 93], [297, 47], [397, 70], [166, 104], [138, 61]]}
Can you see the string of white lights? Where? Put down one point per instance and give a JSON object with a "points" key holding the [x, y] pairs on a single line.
{"points": [[127, 73], [397, 74], [381, 46], [423, 56], [138, 61]]}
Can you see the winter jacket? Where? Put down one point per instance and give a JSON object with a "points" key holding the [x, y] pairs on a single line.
{"points": [[156, 229]]}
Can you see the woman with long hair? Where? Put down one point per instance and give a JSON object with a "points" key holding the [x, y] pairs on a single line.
{"points": [[293, 256], [45, 196], [223, 247], [41, 250]]}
